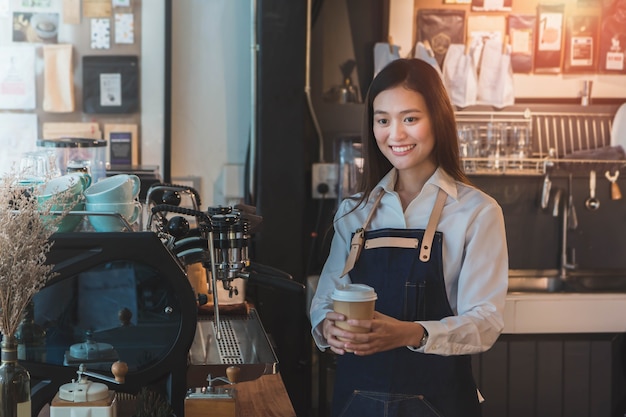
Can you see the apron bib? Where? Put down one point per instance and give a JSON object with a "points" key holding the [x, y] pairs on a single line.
{"points": [[405, 268]]}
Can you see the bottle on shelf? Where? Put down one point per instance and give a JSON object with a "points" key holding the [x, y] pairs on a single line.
{"points": [[30, 337], [14, 382]]}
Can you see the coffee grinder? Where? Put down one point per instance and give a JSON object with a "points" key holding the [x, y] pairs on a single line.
{"points": [[214, 401], [83, 397]]}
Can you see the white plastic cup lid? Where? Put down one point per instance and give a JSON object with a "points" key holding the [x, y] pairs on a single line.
{"points": [[354, 292]]}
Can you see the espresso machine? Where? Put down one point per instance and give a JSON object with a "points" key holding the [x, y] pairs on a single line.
{"points": [[229, 332], [217, 239], [127, 296]]}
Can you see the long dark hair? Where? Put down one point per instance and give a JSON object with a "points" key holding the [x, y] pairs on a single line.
{"points": [[421, 77]]}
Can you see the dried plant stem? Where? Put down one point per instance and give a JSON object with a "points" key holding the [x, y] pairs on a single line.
{"points": [[26, 226]]}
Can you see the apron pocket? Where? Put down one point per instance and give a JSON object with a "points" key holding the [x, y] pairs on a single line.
{"points": [[382, 404], [410, 296], [414, 301]]}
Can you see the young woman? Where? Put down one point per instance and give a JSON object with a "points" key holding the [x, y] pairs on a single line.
{"points": [[437, 258]]}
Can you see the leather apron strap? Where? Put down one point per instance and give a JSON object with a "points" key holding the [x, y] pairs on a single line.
{"points": [[359, 236], [357, 240], [431, 227]]}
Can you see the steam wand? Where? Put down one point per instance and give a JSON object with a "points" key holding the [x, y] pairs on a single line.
{"points": [[218, 327], [206, 229]]}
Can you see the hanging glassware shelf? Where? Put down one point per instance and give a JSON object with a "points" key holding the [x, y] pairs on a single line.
{"points": [[535, 166]]}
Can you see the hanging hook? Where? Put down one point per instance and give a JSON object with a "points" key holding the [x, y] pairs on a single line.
{"points": [[616, 194]]}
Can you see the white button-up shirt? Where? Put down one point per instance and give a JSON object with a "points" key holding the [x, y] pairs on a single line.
{"points": [[475, 260]]}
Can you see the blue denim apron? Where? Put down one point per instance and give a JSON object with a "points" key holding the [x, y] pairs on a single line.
{"points": [[406, 270]]}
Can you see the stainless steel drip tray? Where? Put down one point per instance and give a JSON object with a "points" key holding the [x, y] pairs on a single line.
{"points": [[242, 343], [577, 280]]}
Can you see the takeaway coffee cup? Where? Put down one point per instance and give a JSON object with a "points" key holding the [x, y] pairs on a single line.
{"points": [[121, 188], [355, 301]]}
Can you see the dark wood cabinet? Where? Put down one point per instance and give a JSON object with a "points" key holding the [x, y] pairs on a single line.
{"points": [[565, 375]]}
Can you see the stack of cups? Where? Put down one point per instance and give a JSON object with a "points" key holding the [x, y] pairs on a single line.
{"points": [[111, 198], [355, 301]]}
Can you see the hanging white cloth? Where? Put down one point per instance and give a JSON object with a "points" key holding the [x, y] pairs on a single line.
{"points": [[424, 52], [495, 79], [384, 53], [459, 76]]}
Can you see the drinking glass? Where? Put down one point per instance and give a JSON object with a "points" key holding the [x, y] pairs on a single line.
{"points": [[37, 166], [469, 147], [521, 146], [495, 142]]}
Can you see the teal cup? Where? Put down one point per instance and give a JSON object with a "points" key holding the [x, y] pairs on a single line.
{"points": [[69, 186], [108, 215], [121, 188], [63, 194]]}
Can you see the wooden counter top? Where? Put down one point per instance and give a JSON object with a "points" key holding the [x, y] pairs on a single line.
{"points": [[265, 396]]}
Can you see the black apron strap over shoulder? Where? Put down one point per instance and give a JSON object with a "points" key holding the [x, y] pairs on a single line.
{"points": [[358, 239]]}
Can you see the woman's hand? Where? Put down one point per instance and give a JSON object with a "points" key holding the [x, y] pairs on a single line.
{"points": [[385, 333], [331, 332]]}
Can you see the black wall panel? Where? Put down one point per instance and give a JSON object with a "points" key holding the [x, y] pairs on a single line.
{"points": [[280, 191], [556, 375]]}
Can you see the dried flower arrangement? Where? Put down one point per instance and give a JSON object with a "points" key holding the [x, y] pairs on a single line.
{"points": [[26, 225]]}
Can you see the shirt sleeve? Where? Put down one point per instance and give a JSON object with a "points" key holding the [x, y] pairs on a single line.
{"points": [[330, 277], [481, 291]]}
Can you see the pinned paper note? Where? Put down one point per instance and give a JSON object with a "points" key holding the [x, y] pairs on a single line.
{"points": [[4, 8], [71, 12], [17, 77], [100, 34], [111, 90], [35, 27], [124, 28], [97, 8], [18, 134], [58, 95]]}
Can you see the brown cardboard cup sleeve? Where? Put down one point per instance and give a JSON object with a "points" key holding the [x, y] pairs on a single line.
{"points": [[58, 93], [110, 84]]}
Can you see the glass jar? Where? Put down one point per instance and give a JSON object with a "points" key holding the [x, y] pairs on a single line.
{"points": [[14, 382], [83, 154]]}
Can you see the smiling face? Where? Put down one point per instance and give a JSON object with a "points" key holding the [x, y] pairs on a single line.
{"points": [[402, 129]]}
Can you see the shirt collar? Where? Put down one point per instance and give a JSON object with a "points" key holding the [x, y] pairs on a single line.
{"points": [[439, 179]]}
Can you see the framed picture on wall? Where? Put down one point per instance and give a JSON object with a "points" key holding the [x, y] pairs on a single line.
{"points": [[549, 42], [110, 84], [581, 44], [491, 5], [123, 144]]}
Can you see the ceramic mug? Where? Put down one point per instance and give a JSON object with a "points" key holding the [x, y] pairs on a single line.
{"points": [[71, 185], [121, 188], [63, 194], [70, 221], [107, 219]]}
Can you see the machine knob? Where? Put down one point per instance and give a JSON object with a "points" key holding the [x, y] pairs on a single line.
{"points": [[119, 370], [203, 299], [177, 226], [232, 373], [172, 198]]}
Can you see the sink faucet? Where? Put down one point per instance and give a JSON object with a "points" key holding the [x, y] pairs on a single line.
{"points": [[566, 262]]}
